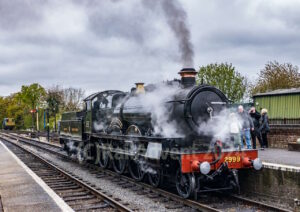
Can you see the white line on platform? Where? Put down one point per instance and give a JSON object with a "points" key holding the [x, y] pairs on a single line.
{"points": [[281, 167], [59, 201]]}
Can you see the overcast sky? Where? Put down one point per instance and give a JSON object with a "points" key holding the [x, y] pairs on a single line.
{"points": [[102, 44]]}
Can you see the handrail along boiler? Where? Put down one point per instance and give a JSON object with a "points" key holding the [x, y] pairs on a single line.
{"points": [[119, 130]]}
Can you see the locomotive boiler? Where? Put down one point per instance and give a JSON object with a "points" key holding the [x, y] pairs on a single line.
{"points": [[156, 131]]}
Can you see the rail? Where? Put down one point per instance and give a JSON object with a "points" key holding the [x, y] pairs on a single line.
{"points": [[162, 193]]}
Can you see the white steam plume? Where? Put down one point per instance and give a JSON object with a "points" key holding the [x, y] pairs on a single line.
{"points": [[154, 102]]}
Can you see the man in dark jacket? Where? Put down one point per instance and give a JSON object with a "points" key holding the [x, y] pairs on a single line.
{"points": [[255, 133], [247, 125]]}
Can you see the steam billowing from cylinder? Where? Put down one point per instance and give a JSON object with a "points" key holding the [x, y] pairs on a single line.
{"points": [[176, 18]]}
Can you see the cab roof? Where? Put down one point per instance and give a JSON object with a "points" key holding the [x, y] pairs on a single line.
{"points": [[109, 92]]}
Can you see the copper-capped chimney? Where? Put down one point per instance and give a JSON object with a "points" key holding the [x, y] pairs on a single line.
{"points": [[139, 87], [188, 77]]}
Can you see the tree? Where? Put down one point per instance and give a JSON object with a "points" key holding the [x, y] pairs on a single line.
{"points": [[73, 99], [15, 109], [55, 96], [224, 77], [2, 109], [12, 107], [32, 96], [277, 76]]}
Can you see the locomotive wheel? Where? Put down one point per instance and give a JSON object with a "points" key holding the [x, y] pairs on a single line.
{"points": [[103, 157], [135, 170], [185, 184], [155, 179], [119, 163], [134, 166]]}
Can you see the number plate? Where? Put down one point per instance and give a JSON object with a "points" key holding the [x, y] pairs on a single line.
{"points": [[232, 159]]}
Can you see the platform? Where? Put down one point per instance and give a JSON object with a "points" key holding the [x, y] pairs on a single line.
{"points": [[280, 158], [279, 179], [22, 190]]}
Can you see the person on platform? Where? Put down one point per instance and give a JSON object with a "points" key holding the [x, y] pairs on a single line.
{"points": [[255, 115], [264, 127], [247, 125], [235, 130]]}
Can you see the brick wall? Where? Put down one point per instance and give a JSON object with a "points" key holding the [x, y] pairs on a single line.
{"points": [[279, 136]]}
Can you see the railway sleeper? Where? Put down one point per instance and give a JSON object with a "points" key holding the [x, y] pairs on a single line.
{"points": [[73, 194], [69, 188], [84, 196], [99, 206], [56, 184], [85, 204]]}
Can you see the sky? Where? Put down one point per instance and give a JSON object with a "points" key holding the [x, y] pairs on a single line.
{"points": [[111, 44]]}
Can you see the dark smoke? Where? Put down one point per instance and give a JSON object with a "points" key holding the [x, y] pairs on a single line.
{"points": [[176, 18], [136, 27]]}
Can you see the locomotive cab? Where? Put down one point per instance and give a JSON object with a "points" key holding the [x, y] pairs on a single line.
{"points": [[99, 110]]}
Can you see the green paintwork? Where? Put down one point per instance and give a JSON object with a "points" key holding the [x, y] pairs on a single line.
{"points": [[70, 125], [280, 106], [88, 118]]}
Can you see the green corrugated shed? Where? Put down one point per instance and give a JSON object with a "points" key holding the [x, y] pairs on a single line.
{"points": [[281, 104]]}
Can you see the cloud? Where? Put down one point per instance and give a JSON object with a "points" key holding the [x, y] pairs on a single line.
{"points": [[99, 44]]}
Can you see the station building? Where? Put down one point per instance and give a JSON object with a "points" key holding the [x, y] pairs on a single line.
{"points": [[283, 106], [284, 115]]}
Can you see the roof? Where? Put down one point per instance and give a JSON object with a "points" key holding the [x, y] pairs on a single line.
{"points": [[279, 92], [109, 92]]}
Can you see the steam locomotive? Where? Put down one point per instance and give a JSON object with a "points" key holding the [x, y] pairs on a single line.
{"points": [[156, 131]]}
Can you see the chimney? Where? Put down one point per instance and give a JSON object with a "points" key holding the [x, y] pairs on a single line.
{"points": [[188, 77], [140, 87]]}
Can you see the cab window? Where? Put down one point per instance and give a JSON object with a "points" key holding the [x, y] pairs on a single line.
{"points": [[105, 101], [88, 105]]}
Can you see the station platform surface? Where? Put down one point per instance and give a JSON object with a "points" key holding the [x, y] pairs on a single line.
{"points": [[22, 190], [281, 157]]}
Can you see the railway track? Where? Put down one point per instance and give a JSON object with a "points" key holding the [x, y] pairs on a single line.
{"points": [[172, 200], [77, 194]]}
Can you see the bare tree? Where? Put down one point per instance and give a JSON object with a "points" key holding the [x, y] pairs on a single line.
{"points": [[277, 76], [72, 99]]}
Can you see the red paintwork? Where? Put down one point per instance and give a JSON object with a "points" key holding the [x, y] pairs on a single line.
{"points": [[190, 162]]}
